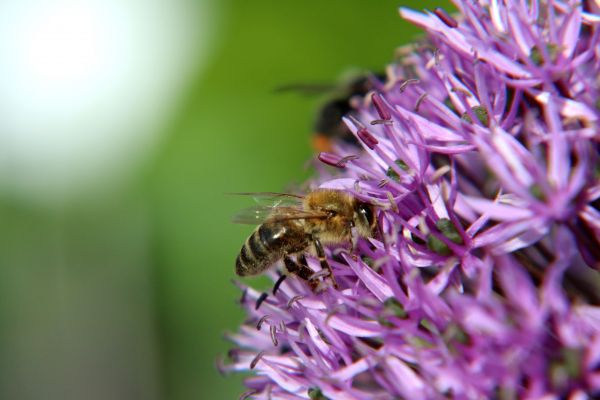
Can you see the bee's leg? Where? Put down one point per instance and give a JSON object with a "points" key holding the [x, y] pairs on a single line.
{"points": [[301, 269], [323, 260]]}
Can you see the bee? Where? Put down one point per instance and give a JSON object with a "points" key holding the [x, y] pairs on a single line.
{"points": [[329, 127], [304, 225]]}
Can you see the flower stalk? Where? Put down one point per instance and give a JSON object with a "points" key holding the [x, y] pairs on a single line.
{"points": [[480, 152]]}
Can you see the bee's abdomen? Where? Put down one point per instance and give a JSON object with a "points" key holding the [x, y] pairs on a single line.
{"points": [[267, 244], [257, 253]]}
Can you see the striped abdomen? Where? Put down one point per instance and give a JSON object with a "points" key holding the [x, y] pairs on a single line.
{"points": [[268, 243]]}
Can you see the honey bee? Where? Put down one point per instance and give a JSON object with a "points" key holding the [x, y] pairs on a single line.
{"points": [[305, 225], [329, 127]]}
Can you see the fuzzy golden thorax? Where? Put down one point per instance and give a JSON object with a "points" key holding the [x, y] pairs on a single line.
{"points": [[344, 212]]}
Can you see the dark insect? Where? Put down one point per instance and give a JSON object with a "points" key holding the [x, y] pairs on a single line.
{"points": [[329, 127]]}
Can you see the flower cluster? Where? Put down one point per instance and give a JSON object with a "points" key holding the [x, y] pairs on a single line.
{"points": [[481, 153]]}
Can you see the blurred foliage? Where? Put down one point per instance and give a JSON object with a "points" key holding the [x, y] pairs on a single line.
{"points": [[128, 296]]}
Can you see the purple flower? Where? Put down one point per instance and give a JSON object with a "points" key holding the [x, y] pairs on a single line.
{"points": [[481, 153]]}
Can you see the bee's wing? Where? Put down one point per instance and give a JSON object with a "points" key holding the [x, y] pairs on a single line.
{"points": [[288, 213], [267, 202], [273, 199], [259, 214], [309, 89], [253, 215]]}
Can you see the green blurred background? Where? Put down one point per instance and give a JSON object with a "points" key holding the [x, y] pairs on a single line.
{"points": [[115, 282]]}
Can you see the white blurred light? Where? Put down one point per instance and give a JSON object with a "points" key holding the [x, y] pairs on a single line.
{"points": [[66, 45], [85, 86]]}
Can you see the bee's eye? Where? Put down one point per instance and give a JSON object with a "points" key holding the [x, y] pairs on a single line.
{"points": [[331, 213], [366, 211]]}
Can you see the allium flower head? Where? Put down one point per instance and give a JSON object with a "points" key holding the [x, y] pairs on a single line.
{"points": [[481, 153]]}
